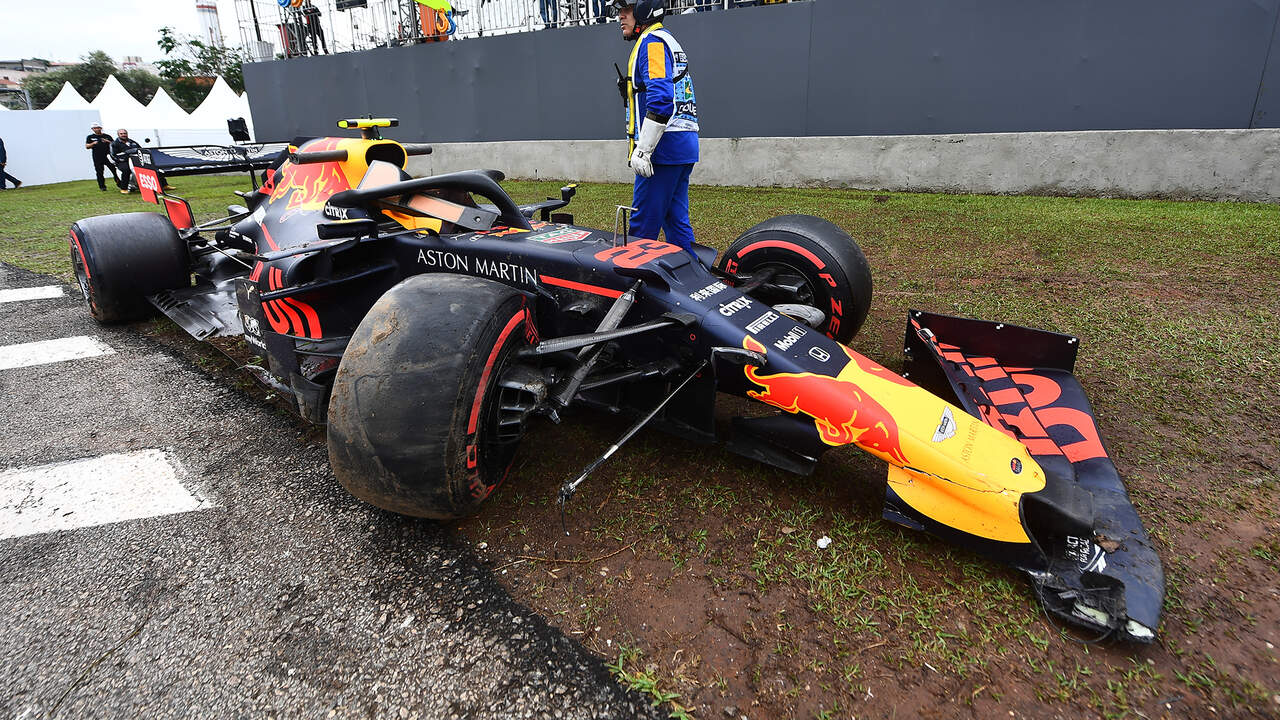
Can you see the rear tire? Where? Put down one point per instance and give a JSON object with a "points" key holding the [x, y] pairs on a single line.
{"points": [[413, 414], [822, 262], [121, 259]]}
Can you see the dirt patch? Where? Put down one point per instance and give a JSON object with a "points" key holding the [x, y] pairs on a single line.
{"points": [[722, 590], [697, 574]]}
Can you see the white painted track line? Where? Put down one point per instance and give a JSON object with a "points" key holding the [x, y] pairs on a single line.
{"points": [[51, 351], [31, 293], [97, 491]]}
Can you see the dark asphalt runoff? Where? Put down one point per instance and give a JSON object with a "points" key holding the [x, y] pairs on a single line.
{"points": [[285, 597]]}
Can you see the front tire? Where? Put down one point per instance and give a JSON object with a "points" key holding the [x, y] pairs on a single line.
{"points": [[121, 259], [413, 417], [815, 263]]}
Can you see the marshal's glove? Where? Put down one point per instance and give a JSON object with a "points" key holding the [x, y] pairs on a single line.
{"points": [[650, 133]]}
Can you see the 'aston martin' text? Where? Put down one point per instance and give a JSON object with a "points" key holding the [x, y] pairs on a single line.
{"points": [[495, 269]]}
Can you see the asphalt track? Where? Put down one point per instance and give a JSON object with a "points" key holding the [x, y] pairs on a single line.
{"points": [[242, 580]]}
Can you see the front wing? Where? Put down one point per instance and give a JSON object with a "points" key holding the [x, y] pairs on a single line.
{"points": [[1090, 559]]}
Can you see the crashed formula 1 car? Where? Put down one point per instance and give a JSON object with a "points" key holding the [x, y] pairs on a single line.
{"points": [[428, 320]]}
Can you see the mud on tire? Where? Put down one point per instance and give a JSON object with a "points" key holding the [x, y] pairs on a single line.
{"points": [[413, 413], [816, 264], [121, 259]]}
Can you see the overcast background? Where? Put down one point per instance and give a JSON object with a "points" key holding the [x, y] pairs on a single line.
{"points": [[71, 28], [63, 30]]}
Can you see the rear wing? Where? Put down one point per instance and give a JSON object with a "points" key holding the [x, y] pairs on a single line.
{"points": [[181, 160], [204, 159]]}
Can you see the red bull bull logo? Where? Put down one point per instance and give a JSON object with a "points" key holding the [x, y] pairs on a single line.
{"points": [[307, 187], [842, 412]]}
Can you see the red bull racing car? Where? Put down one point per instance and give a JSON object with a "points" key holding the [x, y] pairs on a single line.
{"points": [[428, 320]]}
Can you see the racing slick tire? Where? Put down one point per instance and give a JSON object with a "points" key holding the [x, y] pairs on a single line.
{"points": [[413, 416], [121, 259], [817, 264]]}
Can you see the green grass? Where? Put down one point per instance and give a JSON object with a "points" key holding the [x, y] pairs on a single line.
{"points": [[626, 670], [34, 221]]}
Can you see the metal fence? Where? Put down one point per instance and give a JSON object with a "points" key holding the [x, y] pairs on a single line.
{"points": [[477, 18], [321, 27]]}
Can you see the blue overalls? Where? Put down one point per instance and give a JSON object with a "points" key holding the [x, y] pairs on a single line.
{"points": [[659, 84]]}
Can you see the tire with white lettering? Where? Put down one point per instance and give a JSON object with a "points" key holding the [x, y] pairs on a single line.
{"points": [[414, 413], [121, 259], [813, 262]]}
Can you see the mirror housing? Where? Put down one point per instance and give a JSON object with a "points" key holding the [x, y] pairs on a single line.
{"points": [[337, 229]]}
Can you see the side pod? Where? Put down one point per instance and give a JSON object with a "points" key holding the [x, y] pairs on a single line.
{"points": [[1090, 559]]}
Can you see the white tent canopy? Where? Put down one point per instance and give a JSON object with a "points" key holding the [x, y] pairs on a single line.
{"points": [[68, 99], [162, 121], [118, 108], [221, 103], [163, 112]]}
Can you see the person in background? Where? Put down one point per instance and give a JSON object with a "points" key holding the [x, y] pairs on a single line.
{"points": [[662, 124], [4, 176], [122, 149], [100, 143], [550, 11]]}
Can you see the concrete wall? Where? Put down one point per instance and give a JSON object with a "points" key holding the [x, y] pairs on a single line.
{"points": [[1202, 164], [47, 146], [988, 96], [817, 69]]}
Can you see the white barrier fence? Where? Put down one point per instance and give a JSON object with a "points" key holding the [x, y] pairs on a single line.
{"points": [[47, 146], [162, 137]]}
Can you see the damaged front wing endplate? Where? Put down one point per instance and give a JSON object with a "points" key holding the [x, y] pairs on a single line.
{"points": [[1088, 556]]}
